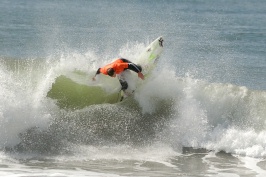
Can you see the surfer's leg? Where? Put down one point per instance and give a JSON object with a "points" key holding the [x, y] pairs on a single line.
{"points": [[124, 84], [122, 80], [125, 79]]}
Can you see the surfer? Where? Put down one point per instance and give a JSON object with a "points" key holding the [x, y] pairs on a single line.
{"points": [[117, 68]]}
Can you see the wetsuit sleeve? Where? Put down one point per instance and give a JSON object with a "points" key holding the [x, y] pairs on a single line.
{"points": [[134, 67], [131, 66], [125, 60], [98, 71]]}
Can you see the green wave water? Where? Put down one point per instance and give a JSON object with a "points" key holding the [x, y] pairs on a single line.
{"points": [[71, 95]]}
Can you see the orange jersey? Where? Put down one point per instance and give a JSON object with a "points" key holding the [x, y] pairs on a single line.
{"points": [[118, 66]]}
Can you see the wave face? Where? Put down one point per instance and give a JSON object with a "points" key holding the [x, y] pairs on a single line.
{"points": [[166, 111], [72, 95]]}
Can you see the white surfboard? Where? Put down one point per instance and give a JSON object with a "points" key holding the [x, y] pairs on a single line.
{"points": [[149, 57], [147, 60]]}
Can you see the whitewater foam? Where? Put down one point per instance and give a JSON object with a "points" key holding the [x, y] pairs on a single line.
{"points": [[215, 116], [179, 111]]}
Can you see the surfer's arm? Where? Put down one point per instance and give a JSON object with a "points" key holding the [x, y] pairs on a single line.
{"points": [[135, 68], [98, 72]]}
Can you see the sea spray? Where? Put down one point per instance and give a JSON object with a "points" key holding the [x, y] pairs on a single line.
{"points": [[169, 109]]}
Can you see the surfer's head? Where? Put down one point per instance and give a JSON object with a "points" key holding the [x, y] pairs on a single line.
{"points": [[111, 72]]}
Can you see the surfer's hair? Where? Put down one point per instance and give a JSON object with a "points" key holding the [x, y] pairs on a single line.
{"points": [[110, 71]]}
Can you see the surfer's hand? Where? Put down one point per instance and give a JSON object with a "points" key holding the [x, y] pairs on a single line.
{"points": [[93, 79], [141, 75]]}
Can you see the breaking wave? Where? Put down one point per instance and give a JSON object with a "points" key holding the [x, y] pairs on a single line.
{"points": [[167, 109]]}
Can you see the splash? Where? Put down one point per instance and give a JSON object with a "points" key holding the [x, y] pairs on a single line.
{"points": [[167, 109]]}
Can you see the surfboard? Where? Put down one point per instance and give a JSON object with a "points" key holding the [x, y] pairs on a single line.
{"points": [[74, 92], [150, 55], [147, 60]]}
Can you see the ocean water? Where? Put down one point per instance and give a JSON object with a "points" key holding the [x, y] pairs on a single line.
{"points": [[202, 112]]}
